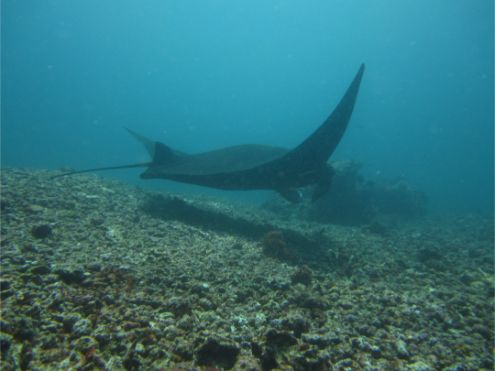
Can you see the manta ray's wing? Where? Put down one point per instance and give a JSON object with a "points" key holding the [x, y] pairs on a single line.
{"points": [[220, 161], [259, 167], [319, 146]]}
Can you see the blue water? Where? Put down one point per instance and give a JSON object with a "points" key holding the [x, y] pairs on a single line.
{"points": [[199, 75]]}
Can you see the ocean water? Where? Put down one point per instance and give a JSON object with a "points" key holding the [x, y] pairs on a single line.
{"points": [[200, 75], [100, 274]]}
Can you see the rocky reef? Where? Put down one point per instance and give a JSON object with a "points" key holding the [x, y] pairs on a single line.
{"points": [[96, 274], [354, 200]]}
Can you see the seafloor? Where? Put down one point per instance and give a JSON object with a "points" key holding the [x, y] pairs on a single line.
{"points": [[96, 274]]}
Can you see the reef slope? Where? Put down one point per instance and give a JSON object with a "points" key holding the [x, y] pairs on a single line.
{"points": [[96, 274]]}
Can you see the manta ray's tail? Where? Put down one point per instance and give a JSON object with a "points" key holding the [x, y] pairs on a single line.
{"points": [[144, 164], [159, 152]]}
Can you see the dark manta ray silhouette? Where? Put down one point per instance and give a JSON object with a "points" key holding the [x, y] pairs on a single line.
{"points": [[253, 166]]}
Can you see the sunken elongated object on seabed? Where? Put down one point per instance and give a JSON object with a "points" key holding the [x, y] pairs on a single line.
{"points": [[255, 166]]}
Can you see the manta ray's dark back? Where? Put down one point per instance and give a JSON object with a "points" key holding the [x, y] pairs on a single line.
{"points": [[304, 165]]}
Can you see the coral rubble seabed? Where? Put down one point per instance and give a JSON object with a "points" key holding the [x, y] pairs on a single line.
{"points": [[96, 274]]}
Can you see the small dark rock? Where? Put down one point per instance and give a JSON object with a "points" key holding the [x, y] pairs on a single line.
{"points": [[213, 353], [5, 343], [138, 301], [41, 269], [41, 231], [69, 321], [71, 277], [108, 300], [49, 342], [103, 339], [302, 275], [375, 351], [243, 295], [322, 341], [4, 284], [132, 362], [6, 327], [366, 330], [24, 330], [18, 260], [4, 294], [256, 349], [278, 285], [490, 291], [25, 356], [29, 248], [297, 324], [25, 298], [486, 363], [275, 246], [376, 228], [94, 267], [179, 306], [484, 330], [312, 302], [268, 361], [427, 254], [346, 305], [237, 246], [474, 253], [96, 222], [56, 302], [345, 363], [279, 339], [311, 361], [81, 327], [401, 349], [183, 350], [200, 288]]}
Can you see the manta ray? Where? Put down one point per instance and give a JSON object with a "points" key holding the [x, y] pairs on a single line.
{"points": [[255, 166]]}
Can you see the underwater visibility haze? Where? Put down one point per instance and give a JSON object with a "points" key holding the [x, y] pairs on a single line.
{"points": [[205, 75], [304, 212]]}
